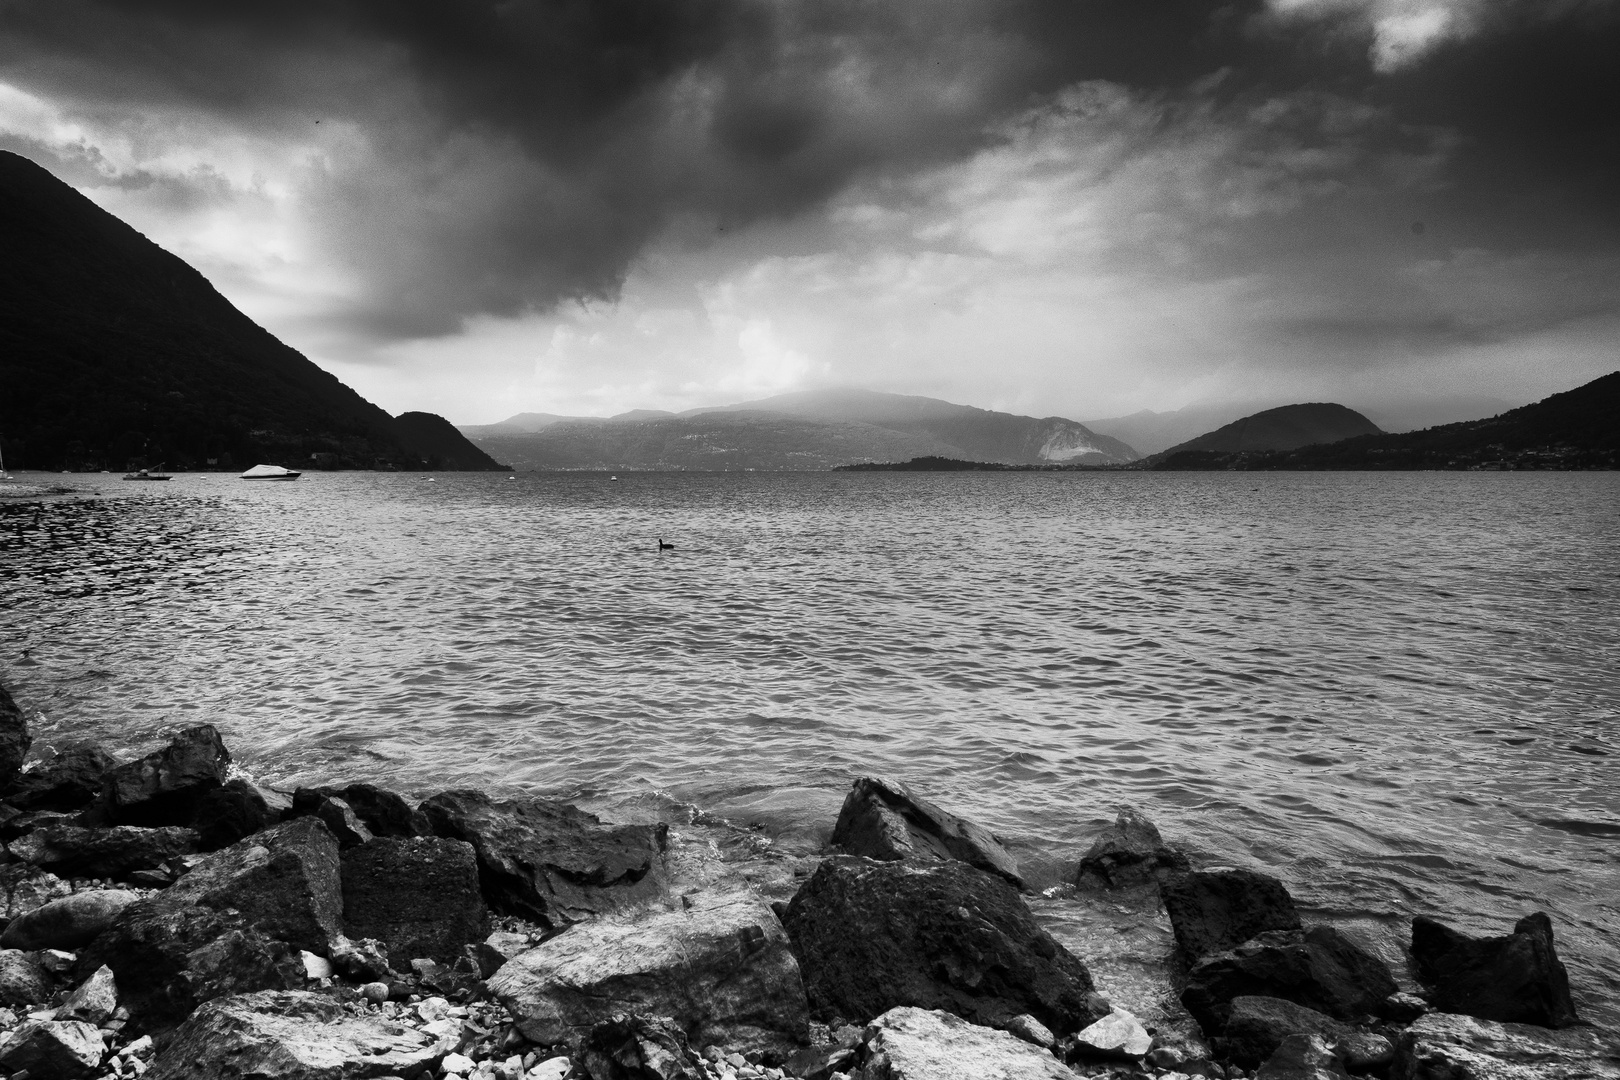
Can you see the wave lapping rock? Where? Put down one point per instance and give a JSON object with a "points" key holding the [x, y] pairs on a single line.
{"points": [[883, 819], [1513, 979]]}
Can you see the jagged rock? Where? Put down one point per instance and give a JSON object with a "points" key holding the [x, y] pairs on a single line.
{"points": [[418, 896], [365, 960], [552, 862], [1213, 911], [1319, 968], [1257, 1026], [882, 819], [22, 824], [70, 780], [1303, 1057], [721, 968], [1365, 1052], [871, 936], [819, 1062], [94, 1001], [238, 809], [1517, 979], [165, 786], [1403, 1008], [73, 851], [1130, 852], [640, 1048], [291, 1035], [384, 813], [916, 1044], [27, 887], [1446, 1046], [14, 739], [1031, 1030], [499, 947], [1117, 1035], [21, 980], [58, 1049], [343, 823], [285, 881], [167, 962], [68, 922]]}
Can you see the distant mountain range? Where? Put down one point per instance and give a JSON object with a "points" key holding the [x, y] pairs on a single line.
{"points": [[1285, 428], [810, 430], [114, 353]]}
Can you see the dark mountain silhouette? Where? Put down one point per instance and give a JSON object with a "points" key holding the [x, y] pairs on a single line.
{"points": [[1577, 429], [1285, 428], [115, 352], [437, 442], [811, 430]]}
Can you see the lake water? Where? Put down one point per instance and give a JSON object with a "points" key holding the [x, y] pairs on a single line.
{"points": [[1398, 692]]}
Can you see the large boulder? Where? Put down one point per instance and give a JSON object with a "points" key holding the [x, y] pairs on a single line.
{"points": [[552, 862], [1303, 1057], [69, 922], [69, 780], [22, 980], [1216, 910], [58, 1049], [871, 936], [292, 1035], [640, 1048], [1446, 1046], [1517, 979], [117, 852], [1129, 852], [236, 810], [418, 896], [883, 819], [14, 739], [914, 1044], [383, 812], [719, 965], [1257, 1026], [24, 887], [166, 786], [1319, 968]]}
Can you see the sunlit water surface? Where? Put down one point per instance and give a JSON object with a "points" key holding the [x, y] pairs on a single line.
{"points": [[1398, 692]]}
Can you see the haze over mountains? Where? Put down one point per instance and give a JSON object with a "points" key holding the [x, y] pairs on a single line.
{"points": [[807, 430]]}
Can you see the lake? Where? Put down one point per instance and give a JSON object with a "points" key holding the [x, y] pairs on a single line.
{"points": [[1396, 691]]}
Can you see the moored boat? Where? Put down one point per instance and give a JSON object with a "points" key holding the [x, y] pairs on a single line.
{"points": [[270, 472], [146, 474]]}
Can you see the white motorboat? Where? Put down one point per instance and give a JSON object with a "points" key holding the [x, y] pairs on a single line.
{"points": [[270, 472]]}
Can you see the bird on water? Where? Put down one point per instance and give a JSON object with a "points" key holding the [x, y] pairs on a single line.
{"points": [[663, 546]]}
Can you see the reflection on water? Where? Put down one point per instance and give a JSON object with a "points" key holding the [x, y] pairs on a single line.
{"points": [[1395, 691]]}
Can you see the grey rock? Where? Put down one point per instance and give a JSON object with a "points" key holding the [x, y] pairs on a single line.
{"points": [[884, 819], [94, 1001], [418, 896], [1031, 1030], [1319, 968], [69, 779], [73, 851], [819, 1062], [292, 1035], [871, 936], [22, 982], [14, 739], [1303, 1057], [1117, 1035], [1365, 1051], [384, 813], [1447, 1046], [721, 968], [69, 922], [552, 862], [1130, 852], [344, 824], [57, 1049], [26, 887], [1257, 1026], [1213, 911], [365, 959], [916, 1044], [629, 1047], [1515, 979], [1403, 1008], [166, 786], [236, 810], [496, 949]]}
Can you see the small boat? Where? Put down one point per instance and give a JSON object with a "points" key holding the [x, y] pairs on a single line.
{"points": [[146, 474], [615, 479], [270, 472]]}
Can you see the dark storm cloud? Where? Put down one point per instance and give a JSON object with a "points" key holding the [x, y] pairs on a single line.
{"points": [[520, 152]]}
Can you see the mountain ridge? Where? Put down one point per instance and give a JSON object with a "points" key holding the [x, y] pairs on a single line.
{"points": [[1286, 427]]}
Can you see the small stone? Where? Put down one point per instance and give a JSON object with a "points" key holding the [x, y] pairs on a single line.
{"points": [[375, 992], [550, 1069], [1403, 1008], [1165, 1057], [1365, 1052], [1117, 1035], [457, 1065], [1031, 1030], [316, 967]]}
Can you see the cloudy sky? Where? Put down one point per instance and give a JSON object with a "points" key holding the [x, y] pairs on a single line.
{"points": [[1082, 207]]}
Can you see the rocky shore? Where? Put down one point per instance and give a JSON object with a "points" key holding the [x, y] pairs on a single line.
{"points": [[169, 917]]}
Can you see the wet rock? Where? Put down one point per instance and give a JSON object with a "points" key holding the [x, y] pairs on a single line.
{"points": [[551, 862], [14, 739], [343, 823], [1257, 1026], [1319, 968], [22, 982], [26, 887], [1031, 1030], [1303, 1057], [69, 780], [384, 813], [1517, 979], [94, 1001], [238, 809], [871, 936], [1213, 911], [292, 1035], [418, 896], [166, 786], [1130, 852], [640, 1048], [69, 922], [882, 819], [721, 968], [58, 1049], [73, 851], [1117, 1035], [916, 1044], [1447, 1046]]}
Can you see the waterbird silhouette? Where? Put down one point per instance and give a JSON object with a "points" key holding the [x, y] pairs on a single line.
{"points": [[663, 546]]}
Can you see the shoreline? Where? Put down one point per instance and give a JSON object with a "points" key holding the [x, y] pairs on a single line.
{"points": [[208, 918]]}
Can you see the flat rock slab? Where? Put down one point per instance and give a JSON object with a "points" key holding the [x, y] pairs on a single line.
{"points": [[291, 1035], [552, 862], [918, 1044], [1319, 968], [58, 1049], [871, 936], [1446, 1046], [1213, 911], [73, 851], [1516, 979], [69, 922], [721, 968], [419, 896], [884, 819]]}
